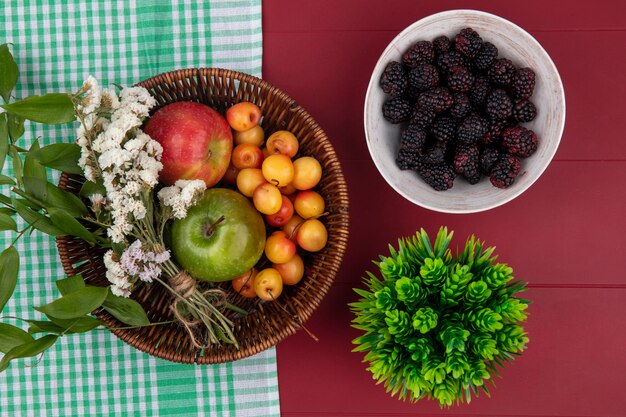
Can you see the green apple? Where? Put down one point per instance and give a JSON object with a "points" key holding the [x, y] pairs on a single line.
{"points": [[222, 236]]}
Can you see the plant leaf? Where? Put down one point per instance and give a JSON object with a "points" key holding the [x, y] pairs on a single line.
{"points": [[60, 156], [70, 284], [8, 72], [6, 180], [125, 310], [90, 188], [75, 304], [16, 126], [66, 201], [7, 211], [4, 139], [7, 222], [69, 224], [35, 178], [9, 267], [32, 167], [41, 326], [27, 350], [11, 336], [78, 325], [35, 219], [52, 108], [16, 159]]}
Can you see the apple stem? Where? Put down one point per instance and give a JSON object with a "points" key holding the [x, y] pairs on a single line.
{"points": [[209, 231]]}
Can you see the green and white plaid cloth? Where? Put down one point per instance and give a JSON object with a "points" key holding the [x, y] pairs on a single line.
{"points": [[57, 44]]}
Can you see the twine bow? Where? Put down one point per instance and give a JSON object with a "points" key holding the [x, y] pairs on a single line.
{"points": [[203, 314]]}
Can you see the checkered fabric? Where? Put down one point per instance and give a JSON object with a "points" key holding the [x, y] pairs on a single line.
{"points": [[57, 44]]}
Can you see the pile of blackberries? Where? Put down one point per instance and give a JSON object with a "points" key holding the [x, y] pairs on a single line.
{"points": [[461, 106]]}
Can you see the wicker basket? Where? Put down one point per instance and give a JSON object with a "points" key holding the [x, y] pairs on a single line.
{"points": [[268, 323]]}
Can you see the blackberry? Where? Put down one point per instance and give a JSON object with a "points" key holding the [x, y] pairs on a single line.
{"points": [[488, 160], [421, 52], [436, 99], [519, 141], [492, 136], [485, 57], [468, 42], [505, 171], [440, 177], [442, 44], [478, 93], [444, 129], [435, 154], [394, 80], [461, 106], [422, 78], [472, 129], [466, 160], [411, 143], [422, 118], [447, 60], [523, 83], [524, 111], [501, 72], [396, 110], [499, 105], [413, 135], [460, 79]]}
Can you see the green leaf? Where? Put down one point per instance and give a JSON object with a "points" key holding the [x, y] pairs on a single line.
{"points": [[78, 325], [6, 180], [70, 284], [11, 336], [4, 139], [16, 159], [7, 222], [90, 188], [52, 108], [16, 126], [69, 224], [125, 310], [75, 304], [27, 350], [65, 200], [7, 211], [9, 267], [35, 219], [60, 156], [8, 72], [32, 167], [41, 326]]}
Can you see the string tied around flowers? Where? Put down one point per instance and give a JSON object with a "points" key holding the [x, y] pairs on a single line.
{"points": [[209, 301]]}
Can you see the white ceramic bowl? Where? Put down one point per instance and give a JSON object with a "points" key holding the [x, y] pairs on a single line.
{"points": [[513, 43]]}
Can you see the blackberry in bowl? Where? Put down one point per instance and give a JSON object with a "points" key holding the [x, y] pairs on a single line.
{"points": [[488, 103]]}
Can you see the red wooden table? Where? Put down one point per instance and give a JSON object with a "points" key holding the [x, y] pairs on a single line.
{"points": [[565, 235]]}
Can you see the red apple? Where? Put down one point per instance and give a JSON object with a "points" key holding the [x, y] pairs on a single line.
{"points": [[197, 142]]}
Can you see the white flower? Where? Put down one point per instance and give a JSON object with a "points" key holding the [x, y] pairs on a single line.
{"points": [[110, 99], [120, 292], [97, 202], [92, 96], [137, 96], [121, 282], [116, 158], [181, 196]]}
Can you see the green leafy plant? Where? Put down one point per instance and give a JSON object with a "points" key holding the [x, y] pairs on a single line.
{"points": [[28, 194], [438, 325]]}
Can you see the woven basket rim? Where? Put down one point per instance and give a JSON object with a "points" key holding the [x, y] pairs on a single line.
{"points": [[192, 78]]}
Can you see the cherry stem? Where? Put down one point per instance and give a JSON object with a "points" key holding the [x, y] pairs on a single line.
{"points": [[209, 231], [295, 317]]}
